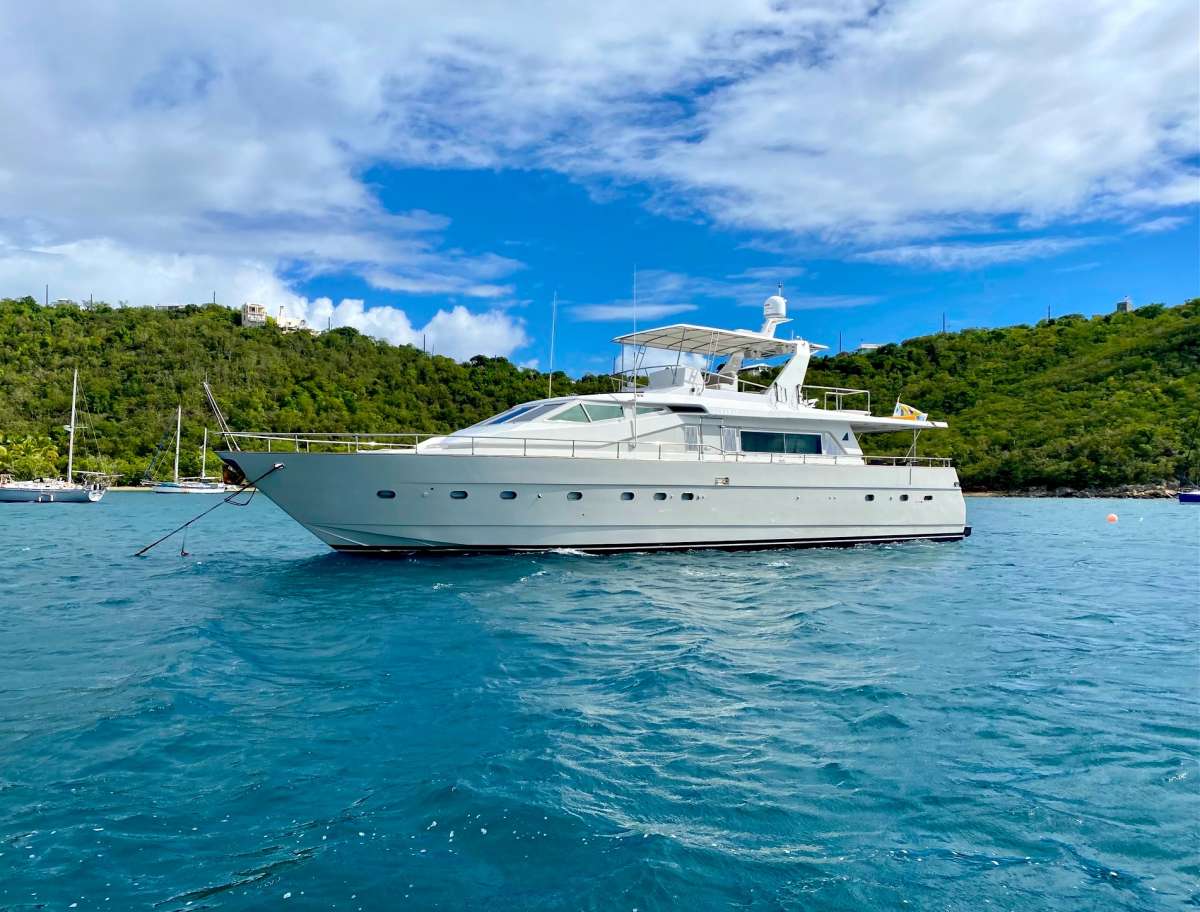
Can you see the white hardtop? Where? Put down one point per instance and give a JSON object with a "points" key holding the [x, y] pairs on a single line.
{"points": [[705, 340]]}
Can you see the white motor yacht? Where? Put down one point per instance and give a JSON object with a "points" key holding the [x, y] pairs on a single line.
{"points": [[676, 457]]}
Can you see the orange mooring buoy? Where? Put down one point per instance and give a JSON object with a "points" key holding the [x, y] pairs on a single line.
{"points": [[1112, 517]]}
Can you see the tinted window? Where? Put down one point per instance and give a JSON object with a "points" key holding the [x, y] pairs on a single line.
{"points": [[458, 495], [687, 496], [536, 413], [574, 495], [574, 413], [511, 414], [768, 442], [660, 496], [870, 497], [602, 412], [626, 495], [386, 495], [508, 495], [650, 409]]}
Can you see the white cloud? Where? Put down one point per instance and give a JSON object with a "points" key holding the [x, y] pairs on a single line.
{"points": [[972, 256], [77, 270], [1160, 224], [831, 302], [245, 134], [626, 313], [456, 333]]}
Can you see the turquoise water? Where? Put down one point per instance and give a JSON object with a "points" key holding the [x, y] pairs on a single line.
{"points": [[1006, 723]]}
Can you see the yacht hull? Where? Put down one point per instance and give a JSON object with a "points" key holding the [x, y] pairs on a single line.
{"points": [[49, 494], [189, 487], [404, 502]]}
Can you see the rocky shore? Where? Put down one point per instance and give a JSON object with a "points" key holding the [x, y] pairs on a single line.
{"points": [[1148, 491]]}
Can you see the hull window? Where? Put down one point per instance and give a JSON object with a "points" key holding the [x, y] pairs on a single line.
{"points": [[386, 495], [904, 497], [574, 495], [929, 497], [660, 496], [508, 495], [687, 495], [870, 497], [626, 495], [458, 495], [767, 442]]}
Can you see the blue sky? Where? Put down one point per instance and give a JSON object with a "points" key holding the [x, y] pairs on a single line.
{"points": [[586, 248], [439, 174]]}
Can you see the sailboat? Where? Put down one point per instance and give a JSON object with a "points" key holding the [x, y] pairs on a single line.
{"points": [[57, 490], [200, 485]]}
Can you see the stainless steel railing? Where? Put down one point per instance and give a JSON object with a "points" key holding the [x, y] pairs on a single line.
{"points": [[461, 445]]}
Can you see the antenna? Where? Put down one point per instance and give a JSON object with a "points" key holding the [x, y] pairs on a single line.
{"points": [[553, 328], [635, 297]]}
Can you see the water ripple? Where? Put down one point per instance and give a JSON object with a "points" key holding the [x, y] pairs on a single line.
{"points": [[1006, 723]]}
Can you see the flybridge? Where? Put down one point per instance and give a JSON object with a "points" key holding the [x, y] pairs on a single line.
{"points": [[707, 340], [734, 345]]}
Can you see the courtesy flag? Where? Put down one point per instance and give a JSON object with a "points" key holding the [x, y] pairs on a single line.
{"points": [[908, 412]]}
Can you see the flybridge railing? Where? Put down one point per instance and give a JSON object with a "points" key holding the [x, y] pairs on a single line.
{"points": [[459, 445], [629, 379], [834, 396]]}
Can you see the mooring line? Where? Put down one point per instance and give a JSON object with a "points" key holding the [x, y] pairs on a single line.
{"points": [[224, 500]]}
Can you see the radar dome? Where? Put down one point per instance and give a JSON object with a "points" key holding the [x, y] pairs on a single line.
{"points": [[775, 306]]}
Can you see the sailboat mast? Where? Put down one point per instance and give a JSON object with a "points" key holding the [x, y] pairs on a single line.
{"points": [[204, 454], [178, 429], [71, 439]]}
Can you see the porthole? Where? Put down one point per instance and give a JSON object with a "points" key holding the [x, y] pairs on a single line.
{"points": [[458, 495], [660, 496], [386, 495], [508, 495], [574, 495], [904, 497], [688, 495], [626, 495], [870, 497], [929, 497]]}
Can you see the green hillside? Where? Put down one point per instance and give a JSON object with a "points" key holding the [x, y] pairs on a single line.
{"points": [[1072, 401]]}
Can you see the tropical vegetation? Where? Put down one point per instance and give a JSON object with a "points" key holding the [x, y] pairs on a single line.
{"points": [[1073, 401]]}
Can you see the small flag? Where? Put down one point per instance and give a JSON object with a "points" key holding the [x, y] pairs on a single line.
{"points": [[908, 413]]}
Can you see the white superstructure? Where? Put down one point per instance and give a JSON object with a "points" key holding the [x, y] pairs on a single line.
{"points": [[675, 457]]}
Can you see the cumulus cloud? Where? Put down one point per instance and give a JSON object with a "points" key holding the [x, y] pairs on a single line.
{"points": [[456, 333]]}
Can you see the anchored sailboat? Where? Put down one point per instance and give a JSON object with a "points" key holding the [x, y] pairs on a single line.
{"points": [[203, 484], [57, 490]]}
